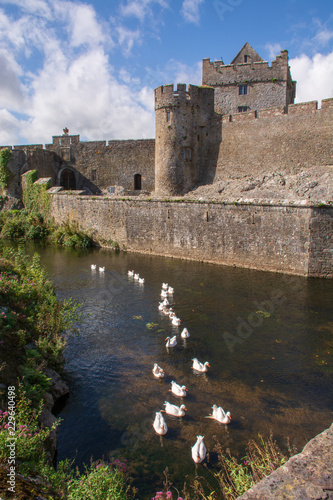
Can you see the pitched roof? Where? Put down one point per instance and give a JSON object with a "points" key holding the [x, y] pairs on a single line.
{"points": [[248, 51]]}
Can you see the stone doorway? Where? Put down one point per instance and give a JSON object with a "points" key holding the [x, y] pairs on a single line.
{"points": [[67, 179]]}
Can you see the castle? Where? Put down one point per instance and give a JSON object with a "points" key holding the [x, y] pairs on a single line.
{"points": [[242, 119], [238, 141]]}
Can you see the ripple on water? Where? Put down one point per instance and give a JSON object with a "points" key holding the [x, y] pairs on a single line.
{"points": [[275, 378]]}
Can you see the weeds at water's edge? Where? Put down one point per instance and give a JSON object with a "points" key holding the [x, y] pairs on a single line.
{"points": [[232, 476]]}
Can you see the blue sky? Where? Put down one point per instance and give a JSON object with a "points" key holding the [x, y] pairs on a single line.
{"points": [[92, 66]]}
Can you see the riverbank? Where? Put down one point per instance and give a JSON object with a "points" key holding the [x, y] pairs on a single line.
{"points": [[33, 325], [306, 476]]}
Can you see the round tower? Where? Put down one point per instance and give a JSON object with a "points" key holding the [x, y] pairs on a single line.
{"points": [[182, 119]]}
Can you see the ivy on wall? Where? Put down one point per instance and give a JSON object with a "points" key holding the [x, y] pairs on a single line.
{"points": [[5, 174], [35, 196]]}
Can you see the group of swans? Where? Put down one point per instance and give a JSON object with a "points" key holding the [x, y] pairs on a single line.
{"points": [[198, 449], [135, 276], [94, 267]]}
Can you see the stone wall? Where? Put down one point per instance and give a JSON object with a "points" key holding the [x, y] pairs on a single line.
{"points": [[273, 238], [306, 476], [105, 165], [276, 141], [267, 86]]}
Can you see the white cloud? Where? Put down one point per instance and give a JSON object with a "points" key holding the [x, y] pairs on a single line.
{"points": [[9, 128], [85, 29], [190, 10], [141, 8], [273, 50], [11, 89], [127, 38], [323, 37], [40, 7], [314, 76], [73, 83]]}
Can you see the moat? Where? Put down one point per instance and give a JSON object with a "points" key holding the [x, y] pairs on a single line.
{"points": [[276, 377]]}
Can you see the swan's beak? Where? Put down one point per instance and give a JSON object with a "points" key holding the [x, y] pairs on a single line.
{"points": [[208, 365]]}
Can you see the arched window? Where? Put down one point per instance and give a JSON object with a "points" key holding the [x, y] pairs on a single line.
{"points": [[137, 181], [67, 179]]}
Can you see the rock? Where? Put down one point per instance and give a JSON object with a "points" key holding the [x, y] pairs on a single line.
{"points": [[306, 476], [58, 387]]}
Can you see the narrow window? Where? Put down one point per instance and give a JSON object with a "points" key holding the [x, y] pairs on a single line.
{"points": [[185, 153], [246, 58], [242, 90], [137, 182], [168, 115], [112, 189], [93, 175]]}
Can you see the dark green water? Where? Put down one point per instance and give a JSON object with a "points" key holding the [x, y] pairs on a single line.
{"points": [[277, 377]]}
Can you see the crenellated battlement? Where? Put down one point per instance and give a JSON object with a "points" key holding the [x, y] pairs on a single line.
{"points": [[302, 109], [166, 96], [249, 82]]}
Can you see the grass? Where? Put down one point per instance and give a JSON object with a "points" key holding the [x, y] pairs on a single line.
{"points": [[32, 326]]}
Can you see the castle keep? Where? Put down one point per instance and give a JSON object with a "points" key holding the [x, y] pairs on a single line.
{"points": [[237, 141], [248, 83]]}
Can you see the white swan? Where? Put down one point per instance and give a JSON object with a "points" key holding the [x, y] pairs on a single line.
{"points": [[164, 293], [171, 313], [176, 321], [165, 286], [158, 371], [93, 267], [101, 269], [166, 302], [170, 290], [178, 390], [171, 342], [159, 424], [141, 280], [185, 333], [136, 276], [219, 415], [130, 273], [161, 306], [199, 450], [176, 411], [200, 367]]}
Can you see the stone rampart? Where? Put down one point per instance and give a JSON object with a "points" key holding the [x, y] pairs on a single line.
{"points": [[278, 139], [272, 238], [104, 165]]}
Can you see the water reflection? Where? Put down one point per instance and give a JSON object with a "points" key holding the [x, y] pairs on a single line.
{"points": [[267, 337]]}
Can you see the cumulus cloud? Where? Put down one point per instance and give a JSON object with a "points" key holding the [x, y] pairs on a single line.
{"points": [[84, 27], [73, 82], [314, 76], [190, 10]]}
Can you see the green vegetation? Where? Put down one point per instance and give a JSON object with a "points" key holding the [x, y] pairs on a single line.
{"points": [[35, 196], [33, 223], [233, 477], [32, 326], [5, 174]]}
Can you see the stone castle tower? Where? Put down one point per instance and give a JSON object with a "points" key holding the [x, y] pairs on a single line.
{"points": [[189, 122], [185, 134], [248, 83]]}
